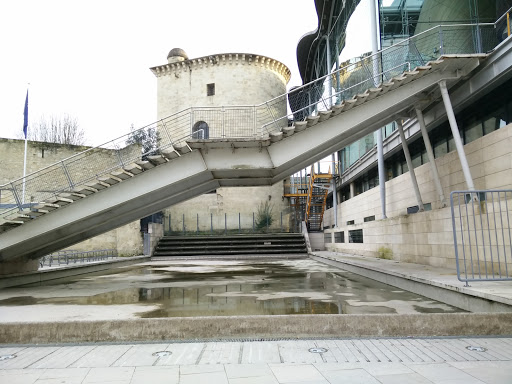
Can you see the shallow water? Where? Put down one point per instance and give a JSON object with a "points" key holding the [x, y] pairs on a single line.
{"points": [[220, 288]]}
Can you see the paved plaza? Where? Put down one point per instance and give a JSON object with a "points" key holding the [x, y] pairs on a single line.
{"points": [[322, 361]]}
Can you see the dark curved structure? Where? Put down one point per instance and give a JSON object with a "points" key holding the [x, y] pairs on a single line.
{"points": [[333, 16]]}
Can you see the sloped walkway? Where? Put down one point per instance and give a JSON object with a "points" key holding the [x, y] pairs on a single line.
{"points": [[407, 275]]}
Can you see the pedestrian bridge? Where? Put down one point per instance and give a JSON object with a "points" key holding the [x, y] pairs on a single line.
{"points": [[89, 194]]}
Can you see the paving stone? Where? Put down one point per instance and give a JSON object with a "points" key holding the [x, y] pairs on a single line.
{"points": [[156, 375], [289, 373], [106, 375], [63, 357], [102, 356]]}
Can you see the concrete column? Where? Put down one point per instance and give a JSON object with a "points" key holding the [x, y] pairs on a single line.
{"points": [[352, 189], [456, 135], [431, 158], [328, 67], [409, 164], [334, 192], [375, 40], [380, 145], [18, 266], [382, 173]]}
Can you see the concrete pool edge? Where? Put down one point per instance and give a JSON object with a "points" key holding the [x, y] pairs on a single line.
{"points": [[240, 327], [458, 296], [67, 271]]}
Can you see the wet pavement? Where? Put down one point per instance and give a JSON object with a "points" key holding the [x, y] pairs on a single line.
{"points": [[210, 288], [322, 361]]}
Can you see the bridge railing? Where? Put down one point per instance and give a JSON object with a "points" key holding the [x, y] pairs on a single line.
{"points": [[247, 121]]}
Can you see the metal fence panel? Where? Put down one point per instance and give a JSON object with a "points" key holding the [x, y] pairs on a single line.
{"points": [[482, 234]]}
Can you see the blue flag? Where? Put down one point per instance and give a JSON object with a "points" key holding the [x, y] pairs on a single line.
{"points": [[25, 116]]}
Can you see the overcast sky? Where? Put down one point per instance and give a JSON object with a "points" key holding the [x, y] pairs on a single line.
{"points": [[91, 59]]}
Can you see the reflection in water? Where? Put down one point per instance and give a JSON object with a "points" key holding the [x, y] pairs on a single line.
{"points": [[234, 288]]}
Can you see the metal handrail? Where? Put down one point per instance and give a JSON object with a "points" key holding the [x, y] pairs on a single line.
{"points": [[238, 121]]}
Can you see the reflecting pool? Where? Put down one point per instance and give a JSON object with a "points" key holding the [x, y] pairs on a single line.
{"points": [[212, 288]]}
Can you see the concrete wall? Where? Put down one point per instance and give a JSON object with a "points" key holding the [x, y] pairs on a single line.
{"points": [[316, 240], [229, 202], [427, 237], [126, 239]]}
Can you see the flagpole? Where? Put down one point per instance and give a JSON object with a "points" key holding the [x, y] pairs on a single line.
{"points": [[25, 131]]}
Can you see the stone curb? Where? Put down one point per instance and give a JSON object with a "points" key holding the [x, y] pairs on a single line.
{"points": [[67, 271], [236, 327], [505, 302]]}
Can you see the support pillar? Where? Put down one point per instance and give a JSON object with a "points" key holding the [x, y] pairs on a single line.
{"points": [[352, 189], [456, 135], [328, 68], [431, 158], [334, 192], [382, 173], [409, 165], [380, 145]]}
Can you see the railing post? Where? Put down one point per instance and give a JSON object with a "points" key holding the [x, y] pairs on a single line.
{"points": [[197, 224], [211, 223], [17, 198], [239, 224], [253, 221], [254, 122], [508, 23], [441, 43], [68, 176], [223, 122], [119, 157], [183, 223], [191, 120]]}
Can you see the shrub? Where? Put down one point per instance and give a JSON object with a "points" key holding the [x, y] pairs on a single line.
{"points": [[264, 217], [385, 253]]}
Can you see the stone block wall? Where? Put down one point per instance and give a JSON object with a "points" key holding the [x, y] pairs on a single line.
{"points": [[239, 81], [424, 237], [126, 239]]}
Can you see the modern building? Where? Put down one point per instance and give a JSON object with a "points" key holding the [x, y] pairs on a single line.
{"points": [[394, 222]]}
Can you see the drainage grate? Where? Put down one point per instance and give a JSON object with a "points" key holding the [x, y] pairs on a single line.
{"points": [[7, 357], [317, 350], [476, 349], [162, 353]]}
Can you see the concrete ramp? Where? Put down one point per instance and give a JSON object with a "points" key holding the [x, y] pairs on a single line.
{"points": [[190, 167]]}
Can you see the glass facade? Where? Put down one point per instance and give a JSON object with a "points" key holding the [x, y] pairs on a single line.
{"points": [[487, 115], [399, 20]]}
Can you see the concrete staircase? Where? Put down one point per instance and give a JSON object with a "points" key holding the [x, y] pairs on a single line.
{"points": [[231, 245]]}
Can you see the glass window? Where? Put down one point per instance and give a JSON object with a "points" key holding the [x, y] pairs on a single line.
{"points": [[440, 148], [451, 144], [473, 132], [416, 160]]}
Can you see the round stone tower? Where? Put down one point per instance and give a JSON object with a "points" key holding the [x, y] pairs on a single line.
{"points": [[222, 80]]}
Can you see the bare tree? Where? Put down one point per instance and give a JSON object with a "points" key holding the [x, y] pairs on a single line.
{"points": [[58, 130], [148, 138]]}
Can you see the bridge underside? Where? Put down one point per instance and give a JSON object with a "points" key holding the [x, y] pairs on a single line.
{"points": [[221, 163]]}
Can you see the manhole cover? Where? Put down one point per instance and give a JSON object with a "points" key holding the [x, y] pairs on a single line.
{"points": [[7, 357], [162, 353], [476, 349], [317, 350]]}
